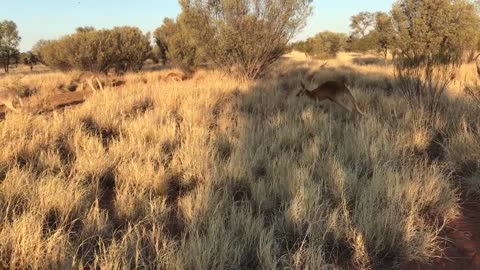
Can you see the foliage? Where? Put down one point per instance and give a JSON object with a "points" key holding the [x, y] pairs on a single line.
{"points": [[122, 48], [361, 24], [29, 58], [175, 44], [83, 29], [371, 31], [323, 45], [384, 32], [133, 48], [9, 41], [367, 43], [244, 36], [431, 37]]}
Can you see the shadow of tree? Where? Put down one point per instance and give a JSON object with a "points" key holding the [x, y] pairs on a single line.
{"points": [[289, 183], [302, 185]]}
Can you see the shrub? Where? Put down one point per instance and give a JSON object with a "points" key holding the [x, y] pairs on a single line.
{"points": [[323, 45], [245, 36], [122, 48], [175, 44], [430, 39]]}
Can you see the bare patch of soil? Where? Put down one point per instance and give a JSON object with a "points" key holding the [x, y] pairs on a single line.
{"points": [[462, 245]]}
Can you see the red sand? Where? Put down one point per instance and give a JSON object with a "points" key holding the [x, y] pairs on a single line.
{"points": [[463, 250]]}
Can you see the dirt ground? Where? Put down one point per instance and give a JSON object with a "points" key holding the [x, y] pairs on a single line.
{"points": [[462, 248]]}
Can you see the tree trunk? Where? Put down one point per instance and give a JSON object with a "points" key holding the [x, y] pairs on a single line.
{"points": [[385, 55], [7, 63]]}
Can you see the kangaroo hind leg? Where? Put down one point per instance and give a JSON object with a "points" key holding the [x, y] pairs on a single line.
{"points": [[341, 104], [100, 86]]}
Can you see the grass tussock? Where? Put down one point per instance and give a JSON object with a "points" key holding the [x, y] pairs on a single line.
{"points": [[221, 173]]}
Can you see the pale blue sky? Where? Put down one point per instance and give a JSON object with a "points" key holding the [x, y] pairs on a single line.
{"points": [[47, 19]]}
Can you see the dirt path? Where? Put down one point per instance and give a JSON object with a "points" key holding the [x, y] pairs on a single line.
{"points": [[463, 252]]}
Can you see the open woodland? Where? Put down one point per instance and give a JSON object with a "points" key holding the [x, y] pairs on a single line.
{"points": [[184, 165]]}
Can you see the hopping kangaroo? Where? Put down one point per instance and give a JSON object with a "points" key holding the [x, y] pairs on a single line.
{"points": [[88, 78], [7, 98], [332, 90]]}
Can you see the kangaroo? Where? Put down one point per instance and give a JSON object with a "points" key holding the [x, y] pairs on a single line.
{"points": [[8, 98], [85, 78], [331, 90]]}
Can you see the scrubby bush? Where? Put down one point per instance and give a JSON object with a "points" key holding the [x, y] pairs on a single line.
{"points": [[133, 47], [371, 31], [244, 36], [431, 38], [323, 45], [122, 48], [176, 45], [364, 44]]}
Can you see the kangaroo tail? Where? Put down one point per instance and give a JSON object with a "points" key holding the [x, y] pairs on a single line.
{"points": [[354, 102], [358, 110]]}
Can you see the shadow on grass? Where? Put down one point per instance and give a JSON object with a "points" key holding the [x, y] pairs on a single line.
{"points": [[292, 185], [274, 172]]}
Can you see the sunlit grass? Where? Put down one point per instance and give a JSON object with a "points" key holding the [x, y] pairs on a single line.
{"points": [[221, 173]]}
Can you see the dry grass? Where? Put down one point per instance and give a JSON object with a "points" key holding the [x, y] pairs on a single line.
{"points": [[218, 173]]}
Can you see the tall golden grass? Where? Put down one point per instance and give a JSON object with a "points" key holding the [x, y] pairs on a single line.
{"points": [[221, 173]]}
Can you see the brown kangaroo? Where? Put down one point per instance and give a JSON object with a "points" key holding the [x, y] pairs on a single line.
{"points": [[332, 90], [8, 98], [87, 78]]}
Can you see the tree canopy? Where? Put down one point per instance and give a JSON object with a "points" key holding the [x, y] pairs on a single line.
{"points": [[245, 36], [9, 41], [434, 31], [122, 48], [323, 45]]}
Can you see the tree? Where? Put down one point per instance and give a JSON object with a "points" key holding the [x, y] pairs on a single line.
{"points": [[161, 36], [132, 48], [83, 29], [244, 36], [176, 45], [9, 41], [29, 58], [367, 43], [474, 51], [384, 32], [305, 46], [434, 31], [323, 45], [431, 37], [363, 38], [362, 23], [52, 54], [15, 58], [329, 43], [122, 48]]}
